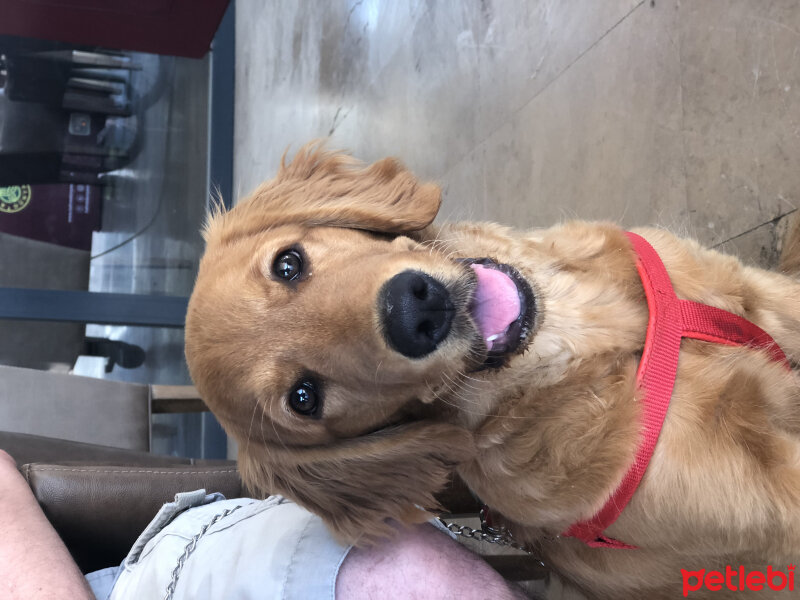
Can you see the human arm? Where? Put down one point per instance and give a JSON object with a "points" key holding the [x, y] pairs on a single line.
{"points": [[34, 562]]}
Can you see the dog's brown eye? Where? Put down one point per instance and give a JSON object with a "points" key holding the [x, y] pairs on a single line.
{"points": [[288, 265], [303, 398]]}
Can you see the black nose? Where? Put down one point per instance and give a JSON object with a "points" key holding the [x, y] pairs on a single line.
{"points": [[416, 312]]}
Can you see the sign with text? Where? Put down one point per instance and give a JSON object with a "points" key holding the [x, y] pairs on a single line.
{"points": [[61, 213]]}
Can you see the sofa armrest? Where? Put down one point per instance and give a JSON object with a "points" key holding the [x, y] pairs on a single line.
{"points": [[99, 511]]}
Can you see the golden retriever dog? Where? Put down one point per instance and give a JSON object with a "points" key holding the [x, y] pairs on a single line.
{"points": [[360, 355]]}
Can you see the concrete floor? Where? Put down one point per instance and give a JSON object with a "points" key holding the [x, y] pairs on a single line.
{"points": [[677, 113]]}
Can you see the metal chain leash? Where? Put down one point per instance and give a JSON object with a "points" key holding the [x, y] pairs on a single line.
{"points": [[487, 533], [190, 547]]}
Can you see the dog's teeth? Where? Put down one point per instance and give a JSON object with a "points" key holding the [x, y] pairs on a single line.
{"points": [[492, 338]]}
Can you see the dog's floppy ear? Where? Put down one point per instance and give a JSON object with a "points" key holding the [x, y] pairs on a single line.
{"points": [[358, 485], [321, 187]]}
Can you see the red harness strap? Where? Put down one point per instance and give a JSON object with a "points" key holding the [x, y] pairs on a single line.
{"points": [[670, 319]]}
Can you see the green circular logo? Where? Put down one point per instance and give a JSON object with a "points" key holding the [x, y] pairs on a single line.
{"points": [[14, 198]]}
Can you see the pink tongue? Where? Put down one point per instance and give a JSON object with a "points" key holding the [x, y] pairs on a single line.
{"points": [[496, 303]]}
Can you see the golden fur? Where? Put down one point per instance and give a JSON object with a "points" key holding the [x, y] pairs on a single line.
{"points": [[544, 440]]}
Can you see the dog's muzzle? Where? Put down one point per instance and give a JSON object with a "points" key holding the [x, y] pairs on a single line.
{"points": [[416, 312]]}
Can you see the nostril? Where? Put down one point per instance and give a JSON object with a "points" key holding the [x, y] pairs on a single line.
{"points": [[426, 328], [420, 289]]}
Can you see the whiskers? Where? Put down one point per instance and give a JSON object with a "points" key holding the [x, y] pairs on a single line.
{"points": [[266, 409], [446, 247], [464, 392], [274, 429], [250, 428]]}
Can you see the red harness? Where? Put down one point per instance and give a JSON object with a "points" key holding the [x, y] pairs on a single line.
{"points": [[670, 320]]}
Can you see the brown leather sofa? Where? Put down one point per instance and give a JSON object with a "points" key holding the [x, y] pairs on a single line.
{"points": [[100, 499]]}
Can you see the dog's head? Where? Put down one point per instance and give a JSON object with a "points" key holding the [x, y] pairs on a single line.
{"points": [[325, 336]]}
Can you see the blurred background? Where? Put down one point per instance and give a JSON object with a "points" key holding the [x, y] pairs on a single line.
{"points": [[117, 126]]}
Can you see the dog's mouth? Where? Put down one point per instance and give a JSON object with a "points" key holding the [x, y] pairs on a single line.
{"points": [[503, 308]]}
